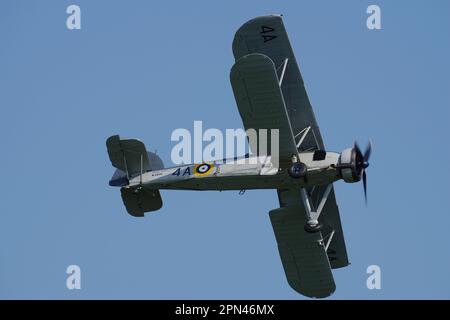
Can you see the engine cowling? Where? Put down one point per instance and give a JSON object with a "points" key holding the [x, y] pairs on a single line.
{"points": [[348, 165], [352, 165]]}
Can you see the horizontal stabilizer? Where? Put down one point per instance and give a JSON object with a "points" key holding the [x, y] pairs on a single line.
{"points": [[137, 203]]}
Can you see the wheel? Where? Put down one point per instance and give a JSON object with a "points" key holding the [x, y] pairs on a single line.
{"points": [[137, 190], [313, 228], [297, 170]]}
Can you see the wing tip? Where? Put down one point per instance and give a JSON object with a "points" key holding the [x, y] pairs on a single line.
{"points": [[237, 37], [261, 18], [317, 292]]}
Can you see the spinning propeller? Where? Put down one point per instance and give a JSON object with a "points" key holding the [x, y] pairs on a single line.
{"points": [[361, 163]]}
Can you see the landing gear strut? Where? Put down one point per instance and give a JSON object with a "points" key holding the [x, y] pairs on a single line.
{"points": [[313, 225]]}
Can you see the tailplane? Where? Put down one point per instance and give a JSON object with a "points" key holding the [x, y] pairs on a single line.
{"points": [[131, 159]]}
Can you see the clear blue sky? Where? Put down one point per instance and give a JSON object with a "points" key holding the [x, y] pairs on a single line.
{"points": [[143, 69]]}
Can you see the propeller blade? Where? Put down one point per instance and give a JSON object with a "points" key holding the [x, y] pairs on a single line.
{"points": [[364, 177], [357, 149], [367, 152]]}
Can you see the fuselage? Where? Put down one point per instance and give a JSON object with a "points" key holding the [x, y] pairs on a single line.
{"points": [[241, 174]]}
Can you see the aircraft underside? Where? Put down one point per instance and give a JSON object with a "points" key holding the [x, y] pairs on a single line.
{"points": [[248, 182], [270, 95]]}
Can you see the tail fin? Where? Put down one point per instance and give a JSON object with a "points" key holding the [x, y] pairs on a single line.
{"points": [[131, 159]]}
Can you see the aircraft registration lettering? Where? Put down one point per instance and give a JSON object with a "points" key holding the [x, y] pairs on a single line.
{"points": [[182, 172]]}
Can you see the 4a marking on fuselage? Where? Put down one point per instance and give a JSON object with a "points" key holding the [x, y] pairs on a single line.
{"points": [[198, 170], [186, 171]]}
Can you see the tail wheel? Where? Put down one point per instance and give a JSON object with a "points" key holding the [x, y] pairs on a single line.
{"points": [[137, 190]]}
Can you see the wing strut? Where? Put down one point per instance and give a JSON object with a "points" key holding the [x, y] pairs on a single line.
{"points": [[304, 132], [283, 71], [330, 238]]}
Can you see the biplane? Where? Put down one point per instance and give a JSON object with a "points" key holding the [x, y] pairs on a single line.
{"points": [[270, 94]]}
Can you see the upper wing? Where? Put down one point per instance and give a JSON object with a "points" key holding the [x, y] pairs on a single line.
{"points": [[260, 101], [267, 35], [306, 264], [303, 255]]}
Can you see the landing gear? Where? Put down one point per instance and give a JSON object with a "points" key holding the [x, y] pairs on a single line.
{"points": [[312, 216], [313, 226], [297, 170]]}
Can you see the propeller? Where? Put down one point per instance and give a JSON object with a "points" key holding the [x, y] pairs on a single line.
{"points": [[362, 163]]}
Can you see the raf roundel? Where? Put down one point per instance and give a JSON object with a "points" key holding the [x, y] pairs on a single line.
{"points": [[203, 169]]}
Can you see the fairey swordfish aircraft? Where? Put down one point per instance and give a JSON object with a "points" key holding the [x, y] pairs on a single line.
{"points": [[270, 94]]}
